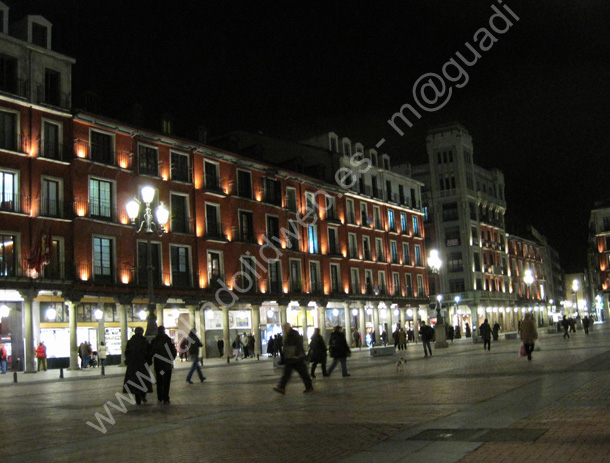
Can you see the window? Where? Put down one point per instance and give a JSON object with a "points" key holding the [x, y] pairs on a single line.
{"points": [[368, 281], [381, 283], [393, 252], [366, 248], [211, 176], [50, 140], [351, 214], [180, 222], [8, 255], [102, 147], [457, 285], [335, 272], [403, 223], [477, 261], [450, 212], [148, 160], [52, 87], [54, 268], [315, 285], [293, 235], [143, 263], [406, 255], [418, 260], [312, 235], [8, 74], [455, 262], [379, 254], [452, 236], [396, 284], [391, 223], [415, 226], [8, 130], [180, 167], [272, 191], [291, 199], [295, 276], [50, 203], [244, 184], [377, 217], [273, 227], [420, 286], [246, 228], [331, 211], [333, 241], [103, 265], [100, 199], [353, 246], [364, 215], [310, 203], [39, 35], [408, 286], [388, 190], [215, 269], [275, 277], [247, 281], [354, 281], [386, 163], [212, 221], [8, 191]]}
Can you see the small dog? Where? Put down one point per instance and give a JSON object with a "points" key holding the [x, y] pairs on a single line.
{"points": [[400, 364]]}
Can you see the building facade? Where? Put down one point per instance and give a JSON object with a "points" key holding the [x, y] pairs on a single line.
{"points": [[247, 246]]}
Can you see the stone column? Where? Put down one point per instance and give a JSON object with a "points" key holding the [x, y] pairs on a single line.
{"points": [[124, 309], [403, 318], [225, 332], [282, 310], [28, 303], [197, 316], [256, 329], [304, 322], [73, 327], [377, 339], [362, 319], [348, 325]]}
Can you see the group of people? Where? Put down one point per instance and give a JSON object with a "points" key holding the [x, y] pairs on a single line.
{"points": [[274, 345], [243, 346], [294, 357]]}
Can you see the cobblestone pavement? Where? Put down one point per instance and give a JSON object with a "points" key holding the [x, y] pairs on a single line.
{"points": [[462, 404]]}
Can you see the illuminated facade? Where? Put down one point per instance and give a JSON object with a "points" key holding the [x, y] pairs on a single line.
{"points": [[248, 244]]}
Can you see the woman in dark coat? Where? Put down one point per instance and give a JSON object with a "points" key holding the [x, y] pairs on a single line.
{"points": [[138, 356], [317, 348], [339, 350]]}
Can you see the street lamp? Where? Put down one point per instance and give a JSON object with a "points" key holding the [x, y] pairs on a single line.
{"points": [[148, 226], [575, 287], [439, 319], [457, 302], [528, 279]]}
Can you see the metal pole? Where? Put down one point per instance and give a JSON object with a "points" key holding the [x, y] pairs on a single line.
{"points": [[151, 320]]}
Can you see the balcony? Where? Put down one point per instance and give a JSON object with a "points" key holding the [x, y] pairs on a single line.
{"points": [[367, 255], [212, 185], [98, 210], [53, 98], [56, 151], [214, 232], [181, 174], [11, 202], [353, 253], [56, 209], [246, 237]]}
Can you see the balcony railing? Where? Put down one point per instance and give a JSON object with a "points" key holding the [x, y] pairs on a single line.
{"points": [[54, 98], [56, 151], [56, 209], [12, 202], [215, 232]]}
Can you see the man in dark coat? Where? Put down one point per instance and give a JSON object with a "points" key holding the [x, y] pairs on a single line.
{"points": [[194, 345], [427, 334], [317, 353], [164, 353], [293, 354], [221, 346], [339, 350], [138, 356], [496, 331], [485, 332]]}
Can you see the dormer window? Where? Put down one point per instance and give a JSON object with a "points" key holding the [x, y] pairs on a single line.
{"points": [[386, 162], [333, 142], [39, 35], [347, 147]]}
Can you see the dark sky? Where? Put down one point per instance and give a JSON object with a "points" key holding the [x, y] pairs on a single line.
{"points": [[537, 103]]}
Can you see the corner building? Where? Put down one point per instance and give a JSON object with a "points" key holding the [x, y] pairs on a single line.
{"points": [[248, 244]]}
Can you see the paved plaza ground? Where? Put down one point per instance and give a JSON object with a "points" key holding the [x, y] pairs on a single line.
{"points": [[462, 404]]}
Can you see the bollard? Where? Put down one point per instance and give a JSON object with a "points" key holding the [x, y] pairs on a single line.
{"points": [[14, 376], [258, 357], [61, 373], [103, 370], [228, 360]]}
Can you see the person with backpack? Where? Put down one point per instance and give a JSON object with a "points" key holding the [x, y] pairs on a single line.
{"points": [[339, 350], [41, 356]]}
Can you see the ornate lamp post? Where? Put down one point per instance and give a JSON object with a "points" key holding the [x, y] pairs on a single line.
{"points": [[434, 262], [457, 300], [148, 226]]}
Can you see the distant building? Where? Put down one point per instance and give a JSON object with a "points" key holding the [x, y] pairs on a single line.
{"points": [[598, 267]]}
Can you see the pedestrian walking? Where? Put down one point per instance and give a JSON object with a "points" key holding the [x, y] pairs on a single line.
{"points": [[585, 324], [317, 353], [245, 346], [138, 357], [3, 359], [467, 330], [102, 353], [164, 353], [450, 332], [427, 334], [339, 350], [270, 347], [485, 333], [357, 339], [529, 334], [496, 331], [237, 347], [220, 344], [395, 337], [402, 339], [293, 359], [184, 350], [566, 326], [41, 356], [251, 344], [194, 345]]}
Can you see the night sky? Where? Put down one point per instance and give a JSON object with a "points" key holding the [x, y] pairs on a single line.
{"points": [[536, 103]]}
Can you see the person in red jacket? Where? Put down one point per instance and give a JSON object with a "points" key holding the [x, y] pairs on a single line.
{"points": [[41, 356]]}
